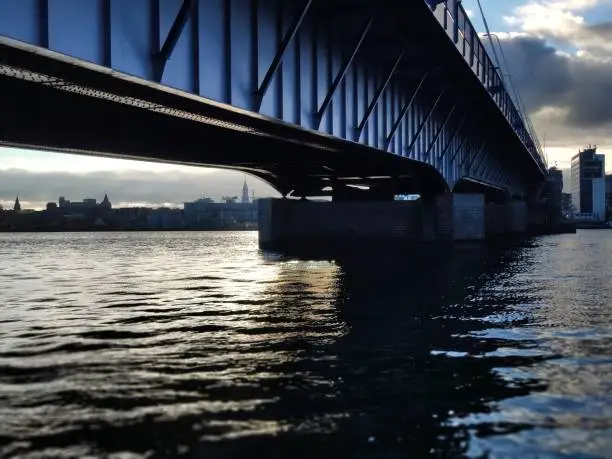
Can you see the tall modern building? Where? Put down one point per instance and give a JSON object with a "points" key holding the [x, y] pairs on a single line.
{"points": [[588, 185], [609, 196]]}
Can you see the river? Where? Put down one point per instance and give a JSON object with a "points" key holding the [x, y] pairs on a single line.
{"points": [[199, 345]]}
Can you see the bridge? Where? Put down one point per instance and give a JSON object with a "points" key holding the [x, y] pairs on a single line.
{"points": [[353, 99]]}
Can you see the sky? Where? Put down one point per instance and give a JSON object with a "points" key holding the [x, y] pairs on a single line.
{"points": [[559, 54]]}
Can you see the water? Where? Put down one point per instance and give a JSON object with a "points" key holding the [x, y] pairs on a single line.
{"points": [[199, 345]]}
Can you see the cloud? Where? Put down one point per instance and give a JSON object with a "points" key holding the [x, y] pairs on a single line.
{"points": [[562, 67], [563, 23], [574, 89], [125, 188], [567, 96]]}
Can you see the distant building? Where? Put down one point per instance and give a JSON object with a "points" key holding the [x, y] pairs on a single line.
{"points": [[106, 204], [245, 193], [166, 219], [17, 205], [609, 197], [87, 205], [206, 214], [567, 209], [588, 185], [554, 192]]}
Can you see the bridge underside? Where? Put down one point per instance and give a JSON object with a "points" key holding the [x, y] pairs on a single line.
{"points": [[314, 96], [59, 104]]}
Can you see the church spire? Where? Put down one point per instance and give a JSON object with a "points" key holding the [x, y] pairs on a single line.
{"points": [[17, 206], [245, 192], [106, 204]]}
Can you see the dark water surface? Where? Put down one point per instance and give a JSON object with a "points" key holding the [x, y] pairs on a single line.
{"points": [[198, 345]]}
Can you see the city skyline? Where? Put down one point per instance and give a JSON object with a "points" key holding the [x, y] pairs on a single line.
{"points": [[559, 54], [135, 186]]}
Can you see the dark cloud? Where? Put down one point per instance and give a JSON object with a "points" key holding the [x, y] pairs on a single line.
{"points": [[546, 78], [602, 30], [124, 187]]}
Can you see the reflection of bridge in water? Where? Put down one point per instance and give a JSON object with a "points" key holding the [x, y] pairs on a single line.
{"points": [[352, 100]]}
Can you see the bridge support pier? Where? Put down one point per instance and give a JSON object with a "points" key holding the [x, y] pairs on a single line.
{"points": [[287, 223], [506, 219], [460, 217]]}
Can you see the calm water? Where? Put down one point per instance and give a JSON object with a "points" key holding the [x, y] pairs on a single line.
{"points": [[199, 345]]}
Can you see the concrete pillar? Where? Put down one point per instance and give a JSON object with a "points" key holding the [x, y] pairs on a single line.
{"points": [[537, 221], [460, 217], [286, 223], [506, 219]]}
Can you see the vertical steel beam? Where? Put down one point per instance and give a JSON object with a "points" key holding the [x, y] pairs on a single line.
{"points": [[456, 21], [280, 40], [330, 73], [404, 112], [472, 36], [314, 64], [425, 121], [260, 92], [227, 48], [106, 33], [161, 57], [341, 74], [377, 96], [154, 30], [43, 23], [254, 17], [439, 132], [298, 80], [195, 48]]}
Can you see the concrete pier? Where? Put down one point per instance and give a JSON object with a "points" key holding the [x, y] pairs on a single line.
{"points": [[507, 219], [460, 217], [286, 223]]}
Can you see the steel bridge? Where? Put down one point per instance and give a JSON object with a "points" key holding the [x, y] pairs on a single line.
{"points": [[317, 97]]}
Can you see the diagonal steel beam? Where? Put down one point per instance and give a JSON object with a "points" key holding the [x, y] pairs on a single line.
{"points": [[377, 97], [425, 121], [341, 74], [261, 91], [473, 158], [161, 57], [439, 132], [473, 128], [404, 112], [482, 161], [458, 149], [452, 138]]}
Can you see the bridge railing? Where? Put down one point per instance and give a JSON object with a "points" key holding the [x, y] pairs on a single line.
{"points": [[453, 18]]}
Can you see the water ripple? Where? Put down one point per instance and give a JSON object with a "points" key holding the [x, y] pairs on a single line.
{"points": [[198, 345]]}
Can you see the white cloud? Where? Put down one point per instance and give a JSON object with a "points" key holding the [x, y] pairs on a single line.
{"points": [[562, 63], [546, 18]]}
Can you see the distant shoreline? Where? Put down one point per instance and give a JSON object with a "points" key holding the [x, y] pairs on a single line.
{"points": [[124, 230]]}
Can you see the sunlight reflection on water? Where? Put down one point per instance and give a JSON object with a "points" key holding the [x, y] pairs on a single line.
{"points": [[198, 344]]}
